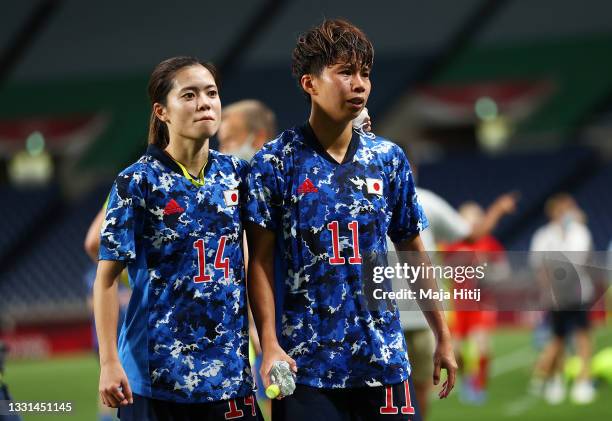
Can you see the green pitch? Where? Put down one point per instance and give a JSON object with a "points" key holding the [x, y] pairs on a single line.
{"points": [[75, 379], [511, 368], [70, 379]]}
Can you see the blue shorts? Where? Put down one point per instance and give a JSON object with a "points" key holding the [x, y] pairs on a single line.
{"points": [[148, 409], [385, 403]]}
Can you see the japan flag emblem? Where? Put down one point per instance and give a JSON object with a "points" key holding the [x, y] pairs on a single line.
{"points": [[375, 186], [231, 197]]}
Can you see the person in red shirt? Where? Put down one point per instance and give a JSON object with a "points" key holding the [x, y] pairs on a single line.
{"points": [[472, 325]]}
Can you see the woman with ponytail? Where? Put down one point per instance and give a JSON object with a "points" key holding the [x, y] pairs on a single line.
{"points": [[174, 220]]}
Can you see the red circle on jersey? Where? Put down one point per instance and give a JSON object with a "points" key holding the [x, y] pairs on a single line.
{"points": [[234, 197], [376, 186]]}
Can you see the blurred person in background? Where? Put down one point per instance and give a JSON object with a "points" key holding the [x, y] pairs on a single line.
{"points": [[175, 220], [446, 225], [566, 232], [471, 326], [245, 127]]}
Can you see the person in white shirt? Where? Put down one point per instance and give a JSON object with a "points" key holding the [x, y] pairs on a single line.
{"points": [[559, 249], [245, 127], [446, 225]]}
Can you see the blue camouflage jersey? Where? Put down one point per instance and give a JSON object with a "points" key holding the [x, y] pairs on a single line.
{"points": [[185, 336], [332, 220]]}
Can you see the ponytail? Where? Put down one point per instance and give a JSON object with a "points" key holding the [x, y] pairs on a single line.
{"points": [[158, 132]]}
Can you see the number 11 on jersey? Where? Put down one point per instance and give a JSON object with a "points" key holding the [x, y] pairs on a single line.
{"points": [[336, 259]]}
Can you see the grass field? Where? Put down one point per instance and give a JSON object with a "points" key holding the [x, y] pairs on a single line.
{"points": [[507, 397], [70, 379], [74, 379]]}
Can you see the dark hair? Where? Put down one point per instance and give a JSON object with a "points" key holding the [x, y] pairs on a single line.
{"points": [[160, 84], [333, 41]]}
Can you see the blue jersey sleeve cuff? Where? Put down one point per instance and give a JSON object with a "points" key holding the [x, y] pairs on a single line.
{"points": [[123, 257]]}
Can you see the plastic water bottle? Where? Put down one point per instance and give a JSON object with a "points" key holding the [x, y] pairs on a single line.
{"points": [[282, 380]]}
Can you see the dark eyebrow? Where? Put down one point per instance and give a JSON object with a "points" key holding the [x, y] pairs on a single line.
{"points": [[354, 67], [197, 88]]}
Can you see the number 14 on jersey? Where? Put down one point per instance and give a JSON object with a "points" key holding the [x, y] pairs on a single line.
{"points": [[220, 262]]}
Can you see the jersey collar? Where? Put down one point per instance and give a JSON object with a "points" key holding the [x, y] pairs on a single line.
{"points": [[177, 167], [311, 140]]}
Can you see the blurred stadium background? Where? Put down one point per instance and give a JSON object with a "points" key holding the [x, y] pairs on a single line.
{"points": [[487, 96]]}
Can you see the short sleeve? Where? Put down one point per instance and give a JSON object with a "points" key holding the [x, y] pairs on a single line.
{"points": [[266, 184], [123, 220], [407, 215]]}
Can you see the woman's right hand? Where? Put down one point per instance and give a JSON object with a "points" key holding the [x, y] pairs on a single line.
{"points": [[114, 386], [270, 355]]}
